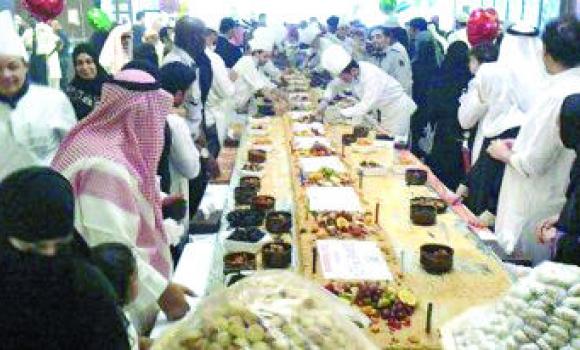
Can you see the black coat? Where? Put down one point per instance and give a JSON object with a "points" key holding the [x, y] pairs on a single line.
{"points": [[228, 51], [56, 303]]}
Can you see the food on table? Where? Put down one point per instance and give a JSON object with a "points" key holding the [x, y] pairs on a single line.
{"points": [[423, 215], [279, 222], [245, 218], [277, 255], [415, 177], [253, 167], [249, 234], [266, 109], [371, 164], [363, 141], [360, 131], [378, 301], [307, 119], [328, 177], [262, 141], [317, 150], [263, 203], [348, 139], [268, 310], [436, 258], [540, 311], [439, 204], [250, 182], [244, 195], [256, 156], [239, 261], [344, 225]]}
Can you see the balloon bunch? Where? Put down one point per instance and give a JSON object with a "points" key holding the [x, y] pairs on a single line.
{"points": [[482, 26], [387, 6], [99, 20], [43, 10]]}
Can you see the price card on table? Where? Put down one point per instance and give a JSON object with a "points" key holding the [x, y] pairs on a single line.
{"points": [[352, 260]]}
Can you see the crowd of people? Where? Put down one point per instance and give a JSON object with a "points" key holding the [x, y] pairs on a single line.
{"points": [[99, 176]]}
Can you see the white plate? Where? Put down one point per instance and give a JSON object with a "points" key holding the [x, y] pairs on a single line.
{"points": [[324, 199], [310, 165], [306, 142]]}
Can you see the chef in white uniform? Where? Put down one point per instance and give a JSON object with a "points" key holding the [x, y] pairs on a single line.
{"points": [[33, 119], [379, 93], [218, 105], [537, 174], [250, 79]]}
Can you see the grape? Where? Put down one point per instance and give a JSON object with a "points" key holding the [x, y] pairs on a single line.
{"points": [[241, 342], [255, 333], [223, 339], [260, 346], [237, 330]]}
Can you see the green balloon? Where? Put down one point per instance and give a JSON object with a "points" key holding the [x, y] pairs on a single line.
{"points": [[387, 6], [99, 20]]}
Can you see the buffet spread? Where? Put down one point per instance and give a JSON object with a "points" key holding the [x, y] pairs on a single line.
{"points": [[373, 238]]}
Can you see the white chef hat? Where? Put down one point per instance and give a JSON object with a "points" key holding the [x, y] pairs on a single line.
{"points": [[261, 43], [10, 42], [335, 59], [310, 33]]}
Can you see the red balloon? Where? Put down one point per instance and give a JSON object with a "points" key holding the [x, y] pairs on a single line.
{"points": [[482, 26], [43, 10]]}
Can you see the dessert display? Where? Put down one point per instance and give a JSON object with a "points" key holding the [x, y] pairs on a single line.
{"points": [[277, 255], [423, 215], [249, 234], [250, 182], [245, 218], [317, 150], [438, 203], [263, 203], [415, 177], [256, 156], [327, 177], [436, 258], [278, 222], [244, 195], [344, 225], [360, 132], [239, 261], [268, 310], [541, 311], [378, 301], [348, 139]]}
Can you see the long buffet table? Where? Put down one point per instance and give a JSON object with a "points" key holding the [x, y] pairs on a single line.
{"points": [[478, 276]]}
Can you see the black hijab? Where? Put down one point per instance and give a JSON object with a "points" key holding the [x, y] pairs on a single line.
{"points": [[92, 87]]}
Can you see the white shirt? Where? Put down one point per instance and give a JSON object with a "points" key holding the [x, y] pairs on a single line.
{"points": [[250, 80], [31, 133], [219, 101], [535, 182], [193, 103], [183, 155], [378, 91], [490, 103]]}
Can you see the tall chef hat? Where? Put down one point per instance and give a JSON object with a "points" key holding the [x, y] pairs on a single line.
{"points": [[310, 33], [10, 42], [335, 59], [261, 43]]}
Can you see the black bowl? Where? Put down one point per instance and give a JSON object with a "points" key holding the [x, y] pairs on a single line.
{"points": [[250, 182], [279, 222], [423, 215], [438, 203], [348, 139], [415, 177], [277, 255], [244, 195], [436, 258], [267, 110]]}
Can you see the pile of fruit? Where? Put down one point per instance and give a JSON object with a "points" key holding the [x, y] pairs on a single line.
{"points": [[317, 150], [344, 225], [328, 177], [378, 301]]}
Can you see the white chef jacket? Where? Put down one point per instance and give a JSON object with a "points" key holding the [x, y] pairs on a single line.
{"points": [[31, 133], [193, 103], [219, 105], [491, 104], [249, 81], [397, 64], [535, 182], [378, 91]]}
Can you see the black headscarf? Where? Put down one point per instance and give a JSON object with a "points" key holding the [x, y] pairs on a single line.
{"points": [[84, 94], [36, 204], [190, 37], [94, 86]]}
